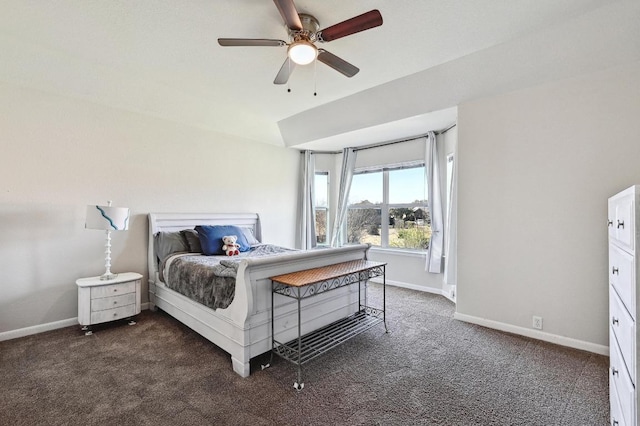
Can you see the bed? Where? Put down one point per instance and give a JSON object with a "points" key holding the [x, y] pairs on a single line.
{"points": [[243, 328]]}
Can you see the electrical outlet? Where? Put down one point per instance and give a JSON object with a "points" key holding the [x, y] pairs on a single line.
{"points": [[537, 322]]}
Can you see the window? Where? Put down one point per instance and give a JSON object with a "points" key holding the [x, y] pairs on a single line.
{"points": [[397, 194], [321, 189], [365, 208]]}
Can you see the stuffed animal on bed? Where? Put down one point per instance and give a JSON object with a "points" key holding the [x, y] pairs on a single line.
{"points": [[229, 245]]}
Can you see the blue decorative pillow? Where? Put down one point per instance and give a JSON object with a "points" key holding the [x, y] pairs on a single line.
{"points": [[211, 238]]}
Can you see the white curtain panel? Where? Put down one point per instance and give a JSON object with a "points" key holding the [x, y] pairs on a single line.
{"points": [[346, 176], [432, 172], [450, 259], [306, 209]]}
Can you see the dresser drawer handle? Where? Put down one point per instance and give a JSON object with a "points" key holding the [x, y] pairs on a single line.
{"points": [[614, 320], [115, 290], [615, 271], [609, 223], [621, 224], [115, 302], [615, 422], [614, 371], [115, 314]]}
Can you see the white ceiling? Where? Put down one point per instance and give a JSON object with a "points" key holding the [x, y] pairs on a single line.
{"points": [[161, 57]]}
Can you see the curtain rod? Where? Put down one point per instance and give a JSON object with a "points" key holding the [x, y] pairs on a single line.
{"points": [[440, 132], [378, 145]]}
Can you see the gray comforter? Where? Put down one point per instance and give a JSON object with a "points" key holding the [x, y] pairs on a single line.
{"points": [[211, 280]]}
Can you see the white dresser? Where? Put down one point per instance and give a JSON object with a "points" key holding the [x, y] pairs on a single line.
{"points": [[108, 300], [623, 306]]}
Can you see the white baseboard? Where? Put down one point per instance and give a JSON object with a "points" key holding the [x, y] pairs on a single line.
{"points": [[41, 328], [432, 290], [535, 334], [522, 331]]}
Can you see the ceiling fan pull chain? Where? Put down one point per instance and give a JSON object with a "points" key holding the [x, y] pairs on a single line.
{"points": [[315, 79], [288, 81]]}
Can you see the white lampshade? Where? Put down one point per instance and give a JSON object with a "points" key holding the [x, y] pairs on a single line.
{"points": [[107, 218], [302, 52]]}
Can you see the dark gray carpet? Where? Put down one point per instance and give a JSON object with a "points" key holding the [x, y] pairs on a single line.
{"points": [[430, 370]]}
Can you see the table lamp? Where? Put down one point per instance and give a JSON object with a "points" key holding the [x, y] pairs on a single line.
{"points": [[109, 219]]}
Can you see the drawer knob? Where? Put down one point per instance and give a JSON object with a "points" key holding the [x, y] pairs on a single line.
{"points": [[115, 314], [115, 302], [609, 223], [621, 224], [614, 320], [614, 371], [615, 271]]}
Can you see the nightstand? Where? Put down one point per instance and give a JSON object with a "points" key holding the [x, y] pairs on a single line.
{"points": [[108, 300]]}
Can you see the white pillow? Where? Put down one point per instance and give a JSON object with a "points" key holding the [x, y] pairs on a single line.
{"points": [[251, 239]]}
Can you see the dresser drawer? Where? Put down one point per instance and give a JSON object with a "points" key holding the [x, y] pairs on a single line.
{"points": [[113, 314], [616, 418], [621, 221], [620, 381], [622, 277], [624, 329], [611, 218], [113, 289], [112, 302]]}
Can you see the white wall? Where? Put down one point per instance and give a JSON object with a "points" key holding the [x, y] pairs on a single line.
{"points": [[60, 154], [536, 167]]}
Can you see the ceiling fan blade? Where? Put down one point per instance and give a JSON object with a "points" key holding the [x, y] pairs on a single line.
{"points": [[289, 13], [285, 72], [337, 63], [363, 22], [250, 42]]}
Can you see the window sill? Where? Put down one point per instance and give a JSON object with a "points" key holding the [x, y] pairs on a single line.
{"points": [[397, 252]]}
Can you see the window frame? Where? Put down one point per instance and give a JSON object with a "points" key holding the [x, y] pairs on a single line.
{"points": [[324, 208], [385, 206]]}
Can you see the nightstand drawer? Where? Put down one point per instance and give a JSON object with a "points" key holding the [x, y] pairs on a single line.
{"points": [[113, 290], [112, 302], [113, 314]]}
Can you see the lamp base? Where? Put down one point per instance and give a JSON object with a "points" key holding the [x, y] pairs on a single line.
{"points": [[108, 276]]}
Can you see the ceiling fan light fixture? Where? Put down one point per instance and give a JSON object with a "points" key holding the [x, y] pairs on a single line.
{"points": [[302, 52]]}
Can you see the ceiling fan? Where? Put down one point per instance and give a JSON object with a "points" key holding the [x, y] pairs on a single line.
{"points": [[303, 33]]}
